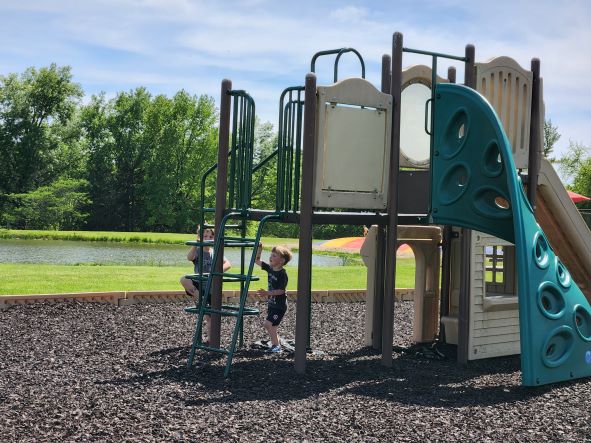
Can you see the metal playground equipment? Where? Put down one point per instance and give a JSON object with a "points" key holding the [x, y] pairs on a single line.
{"points": [[349, 153]]}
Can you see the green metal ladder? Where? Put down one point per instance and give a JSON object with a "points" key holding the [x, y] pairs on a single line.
{"points": [[240, 172], [236, 311]]}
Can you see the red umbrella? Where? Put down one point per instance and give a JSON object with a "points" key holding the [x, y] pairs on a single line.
{"points": [[577, 198]]}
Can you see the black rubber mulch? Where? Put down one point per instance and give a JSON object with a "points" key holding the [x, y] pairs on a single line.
{"points": [[95, 372]]}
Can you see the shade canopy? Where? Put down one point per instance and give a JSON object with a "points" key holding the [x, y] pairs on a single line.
{"points": [[577, 198]]}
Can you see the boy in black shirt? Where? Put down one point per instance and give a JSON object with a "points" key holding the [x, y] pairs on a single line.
{"points": [[277, 282]]}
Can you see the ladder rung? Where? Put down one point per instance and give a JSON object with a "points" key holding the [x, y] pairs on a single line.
{"points": [[235, 277], [197, 277], [225, 308], [245, 311], [212, 349], [226, 279], [241, 239], [238, 241], [208, 225], [228, 242], [222, 312], [200, 243]]}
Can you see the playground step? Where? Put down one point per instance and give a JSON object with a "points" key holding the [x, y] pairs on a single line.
{"points": [[231, 312], [235, 277], [211, 348], [227, 278], [231, 242], [227, 310], [199, 243]]}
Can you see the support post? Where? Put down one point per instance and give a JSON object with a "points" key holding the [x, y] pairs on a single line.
{"points": [[391, 233], [535, 145], [304, 298], [446, 253], [380, 251], [466, 244], [220, 207]]}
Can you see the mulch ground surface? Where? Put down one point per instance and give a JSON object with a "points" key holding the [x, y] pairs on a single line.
{"points": [[96, 372]]}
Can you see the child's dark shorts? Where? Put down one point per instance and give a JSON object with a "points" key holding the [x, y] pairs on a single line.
{"points": [[275, 315]]}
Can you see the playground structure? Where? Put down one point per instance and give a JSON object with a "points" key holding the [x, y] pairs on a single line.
{"points": [[467, 178]]}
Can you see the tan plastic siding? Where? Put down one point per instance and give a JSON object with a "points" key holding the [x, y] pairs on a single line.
{"points": [[492, 333], [508, 88]]}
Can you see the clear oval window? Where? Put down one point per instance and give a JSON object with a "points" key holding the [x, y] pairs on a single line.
{"points": [[414, 141]]}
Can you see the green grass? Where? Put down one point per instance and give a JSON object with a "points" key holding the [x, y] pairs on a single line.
{"points": [[136, 237], [18, 279]]}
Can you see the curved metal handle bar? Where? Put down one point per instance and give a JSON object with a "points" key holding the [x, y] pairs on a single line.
{"points": [[426, 114], [336, 62], [241, 93], [339, 52]]}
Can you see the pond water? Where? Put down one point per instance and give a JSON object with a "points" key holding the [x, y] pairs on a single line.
{"points": [[64, 252]]}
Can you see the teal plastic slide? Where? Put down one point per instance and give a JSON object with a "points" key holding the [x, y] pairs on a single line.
{"points": [[474, 184]]}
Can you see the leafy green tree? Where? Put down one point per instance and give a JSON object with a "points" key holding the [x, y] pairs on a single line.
{"points": [[131, 151], [570, 164], [264, 181], [182, 140], [60, 206], [576, 168], [98, 143], [551, 136], [33, 106], [145, 159]]}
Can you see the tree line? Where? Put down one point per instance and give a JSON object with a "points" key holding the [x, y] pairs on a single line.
{"points": [[134, 162], [129, 163]]}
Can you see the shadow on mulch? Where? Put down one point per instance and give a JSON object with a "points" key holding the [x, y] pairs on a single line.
{"points": [[411, 381]]}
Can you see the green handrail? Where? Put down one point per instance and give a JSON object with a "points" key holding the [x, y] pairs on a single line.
{"points": [[339, 53], [290, 131]]}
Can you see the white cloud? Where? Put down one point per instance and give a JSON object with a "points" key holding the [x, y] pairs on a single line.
{"points": [[349, 14], [264, 46]]}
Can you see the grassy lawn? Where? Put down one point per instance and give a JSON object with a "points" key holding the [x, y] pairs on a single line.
{"points": [[137, 237], [21, 278]]}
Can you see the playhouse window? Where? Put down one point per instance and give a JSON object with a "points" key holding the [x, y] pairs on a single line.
{"points": [[500, 270]]}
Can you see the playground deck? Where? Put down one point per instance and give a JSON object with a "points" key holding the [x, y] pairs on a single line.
{"points": [[97, 372]]}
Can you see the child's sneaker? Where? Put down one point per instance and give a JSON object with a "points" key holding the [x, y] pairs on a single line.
{"points": [[275, 349]]}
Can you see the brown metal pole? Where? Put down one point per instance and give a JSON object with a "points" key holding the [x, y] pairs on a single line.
{"points": [[446, 251], [378, 303], [220, 207], [380, 251], [391, 234], [305, 243], [466, 242], [535, 145], [469, 67], [451, 74], [386, 73]]}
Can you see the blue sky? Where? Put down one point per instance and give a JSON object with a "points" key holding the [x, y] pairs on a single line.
{"points": [[264, 46]]}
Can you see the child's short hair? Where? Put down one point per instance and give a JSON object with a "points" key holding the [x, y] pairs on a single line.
{"points": [[284, 252], [205, 229]]}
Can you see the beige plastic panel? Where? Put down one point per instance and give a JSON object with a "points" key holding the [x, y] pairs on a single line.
{"points": [[352, 146], [494, 321], [414, 141], [424, 242], [508, 88]]}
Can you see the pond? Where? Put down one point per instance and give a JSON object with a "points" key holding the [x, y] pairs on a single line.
{"points": [[64, 252]]}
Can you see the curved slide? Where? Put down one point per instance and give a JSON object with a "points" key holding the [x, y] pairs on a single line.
{"points": [[564, 227]]}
